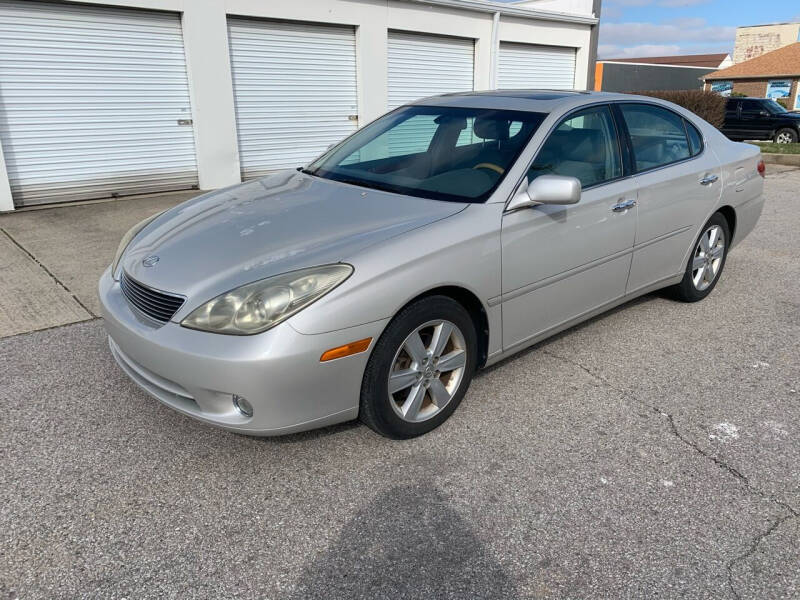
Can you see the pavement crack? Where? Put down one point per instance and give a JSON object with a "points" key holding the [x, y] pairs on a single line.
{"points": [[49, 273], [733, 471], [754, 544], [790, 512]]}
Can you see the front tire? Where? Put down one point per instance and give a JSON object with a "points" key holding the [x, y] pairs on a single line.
{"points": [[706, 262], [420, 368], [786, 136]]}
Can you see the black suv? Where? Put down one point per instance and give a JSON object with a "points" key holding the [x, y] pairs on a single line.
{"points": [[760, 119]]}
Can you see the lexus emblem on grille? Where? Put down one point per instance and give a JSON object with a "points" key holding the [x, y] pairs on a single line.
{"points": [[150, 261]]}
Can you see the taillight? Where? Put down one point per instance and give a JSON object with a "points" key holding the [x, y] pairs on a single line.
{"points": [[762, 168]]}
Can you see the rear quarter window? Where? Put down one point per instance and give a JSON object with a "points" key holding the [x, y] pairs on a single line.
{"points": [[695, 139]]}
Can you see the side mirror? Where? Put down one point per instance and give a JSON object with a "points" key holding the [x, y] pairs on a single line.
{"points": [[763, 113], [547, 189]]}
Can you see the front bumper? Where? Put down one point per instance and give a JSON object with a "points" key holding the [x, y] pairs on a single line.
{"points": [[277, 371]]}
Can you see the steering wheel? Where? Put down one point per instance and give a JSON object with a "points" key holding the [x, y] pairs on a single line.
{"points": [[490, 166]]}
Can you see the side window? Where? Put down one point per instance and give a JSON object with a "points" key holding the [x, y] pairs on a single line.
{"points": [[731, 108], [584, 146], [695, 139], [751, 107], [657, 135]]}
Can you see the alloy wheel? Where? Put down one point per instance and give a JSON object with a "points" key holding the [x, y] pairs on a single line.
{"points": [[784, 138], [427, 371], [708, 257]]}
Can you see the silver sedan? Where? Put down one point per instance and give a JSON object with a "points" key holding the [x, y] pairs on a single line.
{"points": [[441, 238]]}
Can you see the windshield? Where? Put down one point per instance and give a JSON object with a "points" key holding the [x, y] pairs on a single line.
{"points": [[774, 107], [458, 154]]}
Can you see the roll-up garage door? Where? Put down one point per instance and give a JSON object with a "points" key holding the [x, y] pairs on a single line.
{"points": [[524, 66], [426, 65], [294, 90], [94, 102]]}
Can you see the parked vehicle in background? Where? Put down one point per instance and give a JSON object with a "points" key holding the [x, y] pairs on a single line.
{"points": [[760, 119], [443, 237]]}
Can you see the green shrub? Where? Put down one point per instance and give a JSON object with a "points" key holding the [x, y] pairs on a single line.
{"points": [[707, 105], [784, 102], [738, 95]]}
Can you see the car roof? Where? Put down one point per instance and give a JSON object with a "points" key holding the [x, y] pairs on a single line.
{"points": [[527, 100]]}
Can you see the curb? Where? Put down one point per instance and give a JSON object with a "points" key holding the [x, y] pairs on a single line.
{"points": [[792, 160]]}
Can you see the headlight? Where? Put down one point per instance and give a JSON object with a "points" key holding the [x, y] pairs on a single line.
{"points": [[256, 307], [128, 237]]}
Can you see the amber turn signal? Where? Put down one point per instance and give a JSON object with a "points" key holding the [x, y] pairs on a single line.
{"points": [[346, 350]]}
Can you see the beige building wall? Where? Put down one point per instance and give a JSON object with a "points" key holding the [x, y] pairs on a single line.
{"points": [[760, 39]]}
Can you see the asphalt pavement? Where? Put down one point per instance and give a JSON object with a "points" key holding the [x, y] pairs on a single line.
{"points": [[652, 452]]}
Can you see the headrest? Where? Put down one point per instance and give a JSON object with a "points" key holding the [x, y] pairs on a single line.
{"points": [[584, 145], [491, 129]]}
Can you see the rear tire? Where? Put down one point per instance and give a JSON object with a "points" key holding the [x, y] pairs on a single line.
{"points": [[426, 357], [706, 261], [786, 135]]}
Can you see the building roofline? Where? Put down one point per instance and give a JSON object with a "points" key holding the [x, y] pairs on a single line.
{"points": [[646, 64], [766, 76], [485, 6], [769, 24]]}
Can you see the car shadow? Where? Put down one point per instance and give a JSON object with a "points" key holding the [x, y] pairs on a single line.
{"points": [[406, 543]]}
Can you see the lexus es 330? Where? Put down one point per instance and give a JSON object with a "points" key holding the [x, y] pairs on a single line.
{"points": [[439, 239]]}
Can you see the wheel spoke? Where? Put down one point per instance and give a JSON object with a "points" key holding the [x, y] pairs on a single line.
{"points": [[700, 277], [713, 234], [717, 251], [709, 274], [413, 402], [452, 360], [698, 262], [415, 347], [704, 242], [400, 380], [439, 393], [441, 335]]}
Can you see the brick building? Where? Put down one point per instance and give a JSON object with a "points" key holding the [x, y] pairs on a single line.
{"points": [[775, 75]]}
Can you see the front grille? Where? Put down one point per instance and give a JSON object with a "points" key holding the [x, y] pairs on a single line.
{"points": [[156, 304]]}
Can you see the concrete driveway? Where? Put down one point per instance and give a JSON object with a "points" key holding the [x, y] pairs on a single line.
{"points": [[652, 452]]}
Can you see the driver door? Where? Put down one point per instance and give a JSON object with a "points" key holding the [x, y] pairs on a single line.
{"points": [[562, 262]]}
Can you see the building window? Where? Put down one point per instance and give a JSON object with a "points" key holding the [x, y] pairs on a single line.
{"points": [[723, 88]]}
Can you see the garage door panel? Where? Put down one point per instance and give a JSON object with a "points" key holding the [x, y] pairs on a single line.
{"points": [[522, 66], [421, 65], [294, 90], [90, 99]]}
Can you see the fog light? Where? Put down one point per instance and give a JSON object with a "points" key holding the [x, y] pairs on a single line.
{"points": [[243, 406]]}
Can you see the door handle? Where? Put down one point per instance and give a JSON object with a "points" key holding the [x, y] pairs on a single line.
{"points": [[624, 205], [708, 179]]}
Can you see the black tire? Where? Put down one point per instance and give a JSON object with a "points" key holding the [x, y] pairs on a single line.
{"points": [[789, 134], [375, 409], [686, 291]]}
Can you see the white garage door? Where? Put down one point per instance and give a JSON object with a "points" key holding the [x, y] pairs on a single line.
{"points": [[294, 89], [426, 65], [525, 66], [94, 102]]}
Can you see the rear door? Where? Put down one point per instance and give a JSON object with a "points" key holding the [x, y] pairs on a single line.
{"points": [[732, 125], [562, 262], [756, 121], [678, 185]]}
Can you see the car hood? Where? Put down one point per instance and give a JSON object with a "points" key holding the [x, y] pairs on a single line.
{"points": [[272, 225]]}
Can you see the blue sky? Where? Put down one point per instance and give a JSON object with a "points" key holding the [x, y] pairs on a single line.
{"points": [[633, 28], [630, 28]]}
